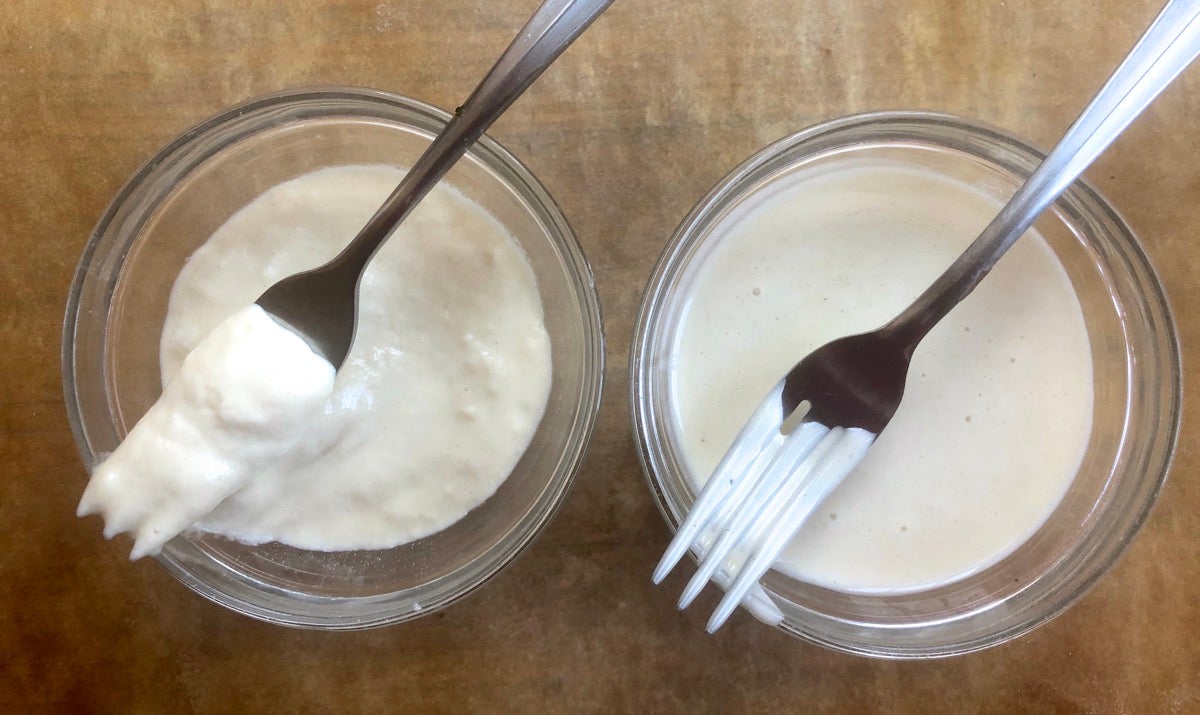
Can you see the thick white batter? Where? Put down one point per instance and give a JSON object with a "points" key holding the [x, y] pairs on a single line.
{"points": [[444, 387], [998, 405], [238, 406]]}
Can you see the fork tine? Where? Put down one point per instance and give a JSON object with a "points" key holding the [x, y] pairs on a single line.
{"points": [[850, 448], [728, 485], [744, 485], [759, 431], [801, 476], [794, 477], [768, 486], [757, 602]]}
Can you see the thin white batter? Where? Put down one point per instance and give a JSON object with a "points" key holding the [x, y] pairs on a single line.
{"points": [[444, 387], [998, 405]]}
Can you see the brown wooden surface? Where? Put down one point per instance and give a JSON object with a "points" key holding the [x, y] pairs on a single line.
{"points": [[628, 130]]}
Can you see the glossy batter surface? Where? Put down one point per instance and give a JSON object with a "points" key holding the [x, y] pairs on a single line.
{"points": [[998, 404]]}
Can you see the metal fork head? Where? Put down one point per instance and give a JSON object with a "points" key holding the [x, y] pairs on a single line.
{"points": [[856, 381], [768, 482], [319, 306]]}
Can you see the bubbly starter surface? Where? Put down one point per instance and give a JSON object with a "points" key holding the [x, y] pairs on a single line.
{"points": [[998, 404], [444, 387]]}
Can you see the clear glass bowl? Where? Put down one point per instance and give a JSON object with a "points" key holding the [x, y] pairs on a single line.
{"points": [[1137, 392], [176, 200]]}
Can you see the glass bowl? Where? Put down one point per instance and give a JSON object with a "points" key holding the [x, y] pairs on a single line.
{"points": [[176, 200], [1136, 382]]}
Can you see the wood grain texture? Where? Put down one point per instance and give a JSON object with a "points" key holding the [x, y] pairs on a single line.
{"points": [[628, 130]]}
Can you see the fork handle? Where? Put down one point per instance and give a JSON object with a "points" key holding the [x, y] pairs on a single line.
{"points": [[551, 29], [1168, 46]]}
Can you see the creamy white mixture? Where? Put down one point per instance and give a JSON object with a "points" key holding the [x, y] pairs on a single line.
{"points": [[237, 406], [440, 396], [998, 404]]}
